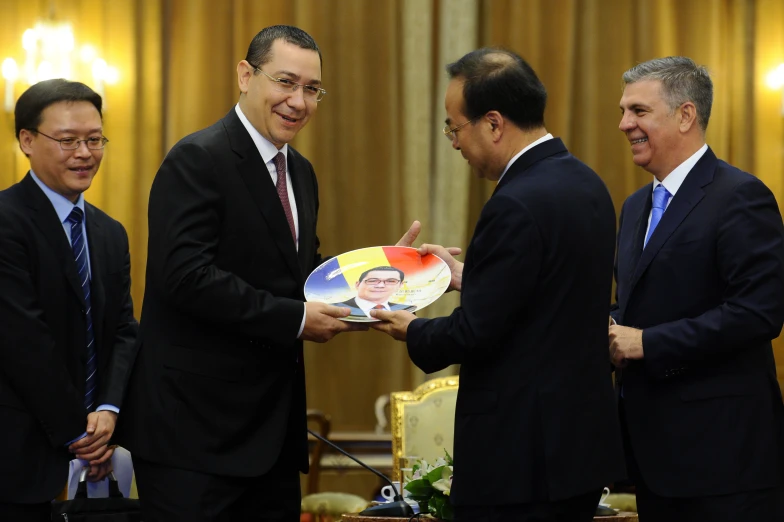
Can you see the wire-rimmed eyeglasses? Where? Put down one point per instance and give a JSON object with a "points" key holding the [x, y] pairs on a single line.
{"points": [[449, 132], [310, 92], [70, 143], [387, 282]]}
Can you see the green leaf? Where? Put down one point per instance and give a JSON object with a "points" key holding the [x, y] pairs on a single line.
{"points": [[419, 488], [435, 474], [449, 459]]}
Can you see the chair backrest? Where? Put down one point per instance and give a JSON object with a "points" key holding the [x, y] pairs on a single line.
{"points": [[423, 421], [317, 447]]}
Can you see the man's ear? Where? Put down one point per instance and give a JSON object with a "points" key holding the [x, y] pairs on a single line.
{"points": [[496, 121], [244, 72], [688, 115], [26, 141]]}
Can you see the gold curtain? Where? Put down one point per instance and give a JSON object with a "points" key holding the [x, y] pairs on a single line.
{"points": [[376, 142]]}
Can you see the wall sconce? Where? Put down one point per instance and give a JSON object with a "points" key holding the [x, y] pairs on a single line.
{"points": [[776, 81], [50, 52]]}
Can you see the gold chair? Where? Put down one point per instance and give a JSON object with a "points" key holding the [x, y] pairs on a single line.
{"points": [[423, 421]]}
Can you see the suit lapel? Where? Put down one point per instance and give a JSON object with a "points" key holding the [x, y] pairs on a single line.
{"points": [[45, 218], [96, 242], [298, 177], [640, 227], [631, 240], [254, 174], [688, 196]]}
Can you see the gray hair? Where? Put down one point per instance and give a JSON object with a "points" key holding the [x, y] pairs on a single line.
{"points": [[682, 80]]}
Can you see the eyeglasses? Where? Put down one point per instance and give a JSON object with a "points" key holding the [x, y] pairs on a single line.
{"points": [[310, 92], [94, 143], [387, 282], [450, 132]]}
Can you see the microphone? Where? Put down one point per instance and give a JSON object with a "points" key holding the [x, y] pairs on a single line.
{"points": [[397, 508]]}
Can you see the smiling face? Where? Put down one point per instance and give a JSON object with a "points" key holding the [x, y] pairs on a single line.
{"points": [[653, 129], [67, 172], [378, 285], [279, 116]]}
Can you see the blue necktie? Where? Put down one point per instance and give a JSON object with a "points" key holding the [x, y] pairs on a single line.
{"points": [[660, 198], [80, 255]]}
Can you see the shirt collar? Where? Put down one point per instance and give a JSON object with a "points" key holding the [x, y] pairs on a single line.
{"points": [[675, 179], [544, 138], [366, 305], [61, 204], [267, 150]]}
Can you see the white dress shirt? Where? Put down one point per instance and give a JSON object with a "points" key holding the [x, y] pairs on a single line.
{"points": [[675, 179]]}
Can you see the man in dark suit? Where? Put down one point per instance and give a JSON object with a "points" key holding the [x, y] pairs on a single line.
{"points": [[67, 330], [374, 288], [536, 436], [700, 295], [216, 417]]}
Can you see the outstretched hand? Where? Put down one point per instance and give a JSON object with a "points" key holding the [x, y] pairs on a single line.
{"points": [[455, 266], [413, 232], [322, 322], [394, 324]]}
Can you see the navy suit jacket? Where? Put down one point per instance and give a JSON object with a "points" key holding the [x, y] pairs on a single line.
{"points": [[535, 418], [703, 408], [43, 351]]}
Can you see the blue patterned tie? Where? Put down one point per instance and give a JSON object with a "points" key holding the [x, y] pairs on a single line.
{"points": [[660, 198], [80, 255]]}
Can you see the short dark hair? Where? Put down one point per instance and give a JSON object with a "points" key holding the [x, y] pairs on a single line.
{"points": [[500, 80], [260, 48], [32, 102], [383, 269], [681, 79]]}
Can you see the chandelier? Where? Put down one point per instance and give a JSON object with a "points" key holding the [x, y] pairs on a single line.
{"points": [[51, 52]]}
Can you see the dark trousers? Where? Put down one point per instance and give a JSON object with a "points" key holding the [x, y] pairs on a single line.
{"points": [[576, 509], [176, 495], [25, 512], [763, 505]]}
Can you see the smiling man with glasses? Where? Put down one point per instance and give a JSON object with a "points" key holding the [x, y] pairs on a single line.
{"points": [[216, 405], [374, 288], [67, 332]]}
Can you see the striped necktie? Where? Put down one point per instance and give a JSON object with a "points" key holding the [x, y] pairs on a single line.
{"points": [[80, 256]]}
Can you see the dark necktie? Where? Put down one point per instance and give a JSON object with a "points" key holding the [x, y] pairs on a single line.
{"points": [[80, 256], [660, 198], [283, 194]]}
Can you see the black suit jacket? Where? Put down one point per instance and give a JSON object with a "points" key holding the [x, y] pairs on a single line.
{"points": [[703, 407], [535, 417], [217, 386], [42, 337]]}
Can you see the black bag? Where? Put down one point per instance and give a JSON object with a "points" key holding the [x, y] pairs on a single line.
{"points": [[114, 508]]}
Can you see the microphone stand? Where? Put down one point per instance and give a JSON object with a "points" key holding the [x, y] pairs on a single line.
{"points": [[397, 508]]}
